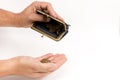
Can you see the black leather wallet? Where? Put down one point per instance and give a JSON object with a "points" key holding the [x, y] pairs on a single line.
{"points": [[54, 29]]}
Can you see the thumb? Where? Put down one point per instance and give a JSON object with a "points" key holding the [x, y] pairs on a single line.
{"points": [[49, 66], [46, 67], [44, 56], [41, 18]]}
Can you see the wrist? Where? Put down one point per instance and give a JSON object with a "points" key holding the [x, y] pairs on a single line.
{"points": [[18, 20], [7, 67], [21, 20]]}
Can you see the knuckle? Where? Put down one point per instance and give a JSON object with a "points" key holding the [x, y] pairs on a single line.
{"points": [[47, 3], [35, 2]]}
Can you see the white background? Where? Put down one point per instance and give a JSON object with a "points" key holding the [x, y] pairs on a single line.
{"points": [[92, 45]]}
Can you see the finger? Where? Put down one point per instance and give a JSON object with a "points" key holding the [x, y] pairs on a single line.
{"points": [[59, 17], [51, 58], [60, 60], [44, 56], [54, 14], [55, 57], [51, 10], [46, 67], [41, 18], [44, 6], [48, 7]]}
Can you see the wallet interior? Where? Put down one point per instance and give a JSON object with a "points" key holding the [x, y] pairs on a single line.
{"points": [[54, 29]]}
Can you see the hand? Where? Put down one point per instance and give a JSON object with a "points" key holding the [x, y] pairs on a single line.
{"points": [[28, 16], [32, 67]]}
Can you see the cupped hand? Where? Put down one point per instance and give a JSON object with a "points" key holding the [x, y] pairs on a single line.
{"points": [[33, 67]]}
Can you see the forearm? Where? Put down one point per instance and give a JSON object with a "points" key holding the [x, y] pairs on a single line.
{"points": [[6, 68], [8, 18]]}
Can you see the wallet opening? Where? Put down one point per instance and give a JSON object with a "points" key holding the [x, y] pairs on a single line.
{"points": [[54, 29]]}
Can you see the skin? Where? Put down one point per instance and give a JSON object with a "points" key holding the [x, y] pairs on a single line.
{"points": [[27, 16], [26, 65], [31, 67]]}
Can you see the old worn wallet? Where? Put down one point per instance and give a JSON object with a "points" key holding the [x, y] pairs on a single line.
{"points": [[54, 29]]}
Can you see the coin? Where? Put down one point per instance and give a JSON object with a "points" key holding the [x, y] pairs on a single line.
{"points": [[45, 61]]}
